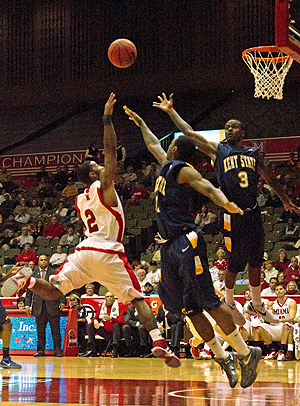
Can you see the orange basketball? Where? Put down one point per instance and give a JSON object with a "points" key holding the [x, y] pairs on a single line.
{"points": [[122, 53]]}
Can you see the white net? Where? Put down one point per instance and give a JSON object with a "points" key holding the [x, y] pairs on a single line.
{"points": [[269, 67]]}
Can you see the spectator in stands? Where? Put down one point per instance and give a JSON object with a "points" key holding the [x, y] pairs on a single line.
{"points": [[71, 189], [151, 177], [31, 265], [23, 217], [34, 209], [121, 156], [24, 237], [135, 265], [107, 323], [292, 288], [53, 229], [3, 193], [290, 232], [75, 303], [61, 210], [270, 290], [21, 302], [221, 262], [136, 336], [45, 188], [262, 195], [285, 215], [74, 173], [283, 262], [280, 277], [9, 239], [46, 205], [58, 257], [42, 174], [26, 255], [173, 322], [92, 153], [269, 270], [154, 275], [273, 200], [277, 172], [263, 283], [148, 289], [5, 179], [138, 192], [70, 239], [129, 175], [203, 216], [213, 270], [38, 230], [60, 179], [141, 274], [292, 161], [219, 285], [119, 186], [213, 227], [89, 291], [292, 272]]}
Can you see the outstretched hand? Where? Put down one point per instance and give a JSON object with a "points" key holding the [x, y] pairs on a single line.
{"points": [[165, 103], [133, 116], [290, 206], [109, 105], [233, 208]]}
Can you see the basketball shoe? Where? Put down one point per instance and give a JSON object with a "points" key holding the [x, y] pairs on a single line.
{"points": [[248, 366], [160, 349], [229, 366], [261, 311], [194, 350], [17, 282]]}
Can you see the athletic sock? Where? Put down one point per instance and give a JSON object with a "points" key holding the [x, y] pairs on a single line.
{"points": [[5, 352], [256, 295], [216, 348], [235, 340], [283, 347], [155, 335], [229, 298], [290, 347]]}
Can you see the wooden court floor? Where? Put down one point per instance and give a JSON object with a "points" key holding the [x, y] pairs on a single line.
{"points": [[124, 382]]}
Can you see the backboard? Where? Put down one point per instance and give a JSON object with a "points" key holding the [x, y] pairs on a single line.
{"points": [[287, 27]]}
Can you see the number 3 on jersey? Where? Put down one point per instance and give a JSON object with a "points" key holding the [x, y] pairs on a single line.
{"points": [[243, 179], [91, 221]]}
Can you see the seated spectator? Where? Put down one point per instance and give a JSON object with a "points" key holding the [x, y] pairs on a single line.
{"points": [[153, 276], [280, 277], [292, 161], [273, 200], [38, 229], [74, 303], [270, 290], [58, 257], [70, 239], [107, 323], [31, 265], [290, 233], [42, 174], [203, 216], [173, 322], [74, 173], [8, 241], [129, 175], [148, 289], [5, 179], [263, 283], [7, 207], [141, 274], [277, 172], [137, 338], [126, 191], [219, 285], [2, 195], [45, 188], [213, 270], [34, 209], [60, 179], [292, 272], [54, 229], [21, 302], [23, 217], [262, 195], [89, 291], [119, 184], [283, 262], [138, 192], [46, 205], [24, 237], [27, 254], [70, 189], [92, 153], [61, 210], [292, 288], [285, 215], [213, 227], [151, 177], [135, 265], [285, 308], [21, 208], [269, 270], [221, 262]]}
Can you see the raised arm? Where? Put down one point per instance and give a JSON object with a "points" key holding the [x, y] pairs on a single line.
{"points": [[151, 141], [193, 178], [165, 104], [272, 181]]}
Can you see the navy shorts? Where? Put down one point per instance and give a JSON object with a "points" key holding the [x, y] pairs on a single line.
{"points": [[244, 239], [4, 317], [186, 285]]}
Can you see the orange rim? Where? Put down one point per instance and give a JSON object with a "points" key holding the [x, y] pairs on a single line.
{"points": [[247, 54]]}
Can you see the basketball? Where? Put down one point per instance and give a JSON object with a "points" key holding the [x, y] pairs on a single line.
{"points": [[122, 53]]}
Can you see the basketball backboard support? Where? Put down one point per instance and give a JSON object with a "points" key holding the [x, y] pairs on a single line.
{"points": [[287, 27]]}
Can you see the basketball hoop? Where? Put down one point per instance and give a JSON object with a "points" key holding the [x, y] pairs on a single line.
{"points": [[269, 67]]}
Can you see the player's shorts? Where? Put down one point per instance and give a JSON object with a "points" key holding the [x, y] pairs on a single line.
{"points": [[186, 285], [96, 259], [244, 239], [274, 331], [4, 317]]}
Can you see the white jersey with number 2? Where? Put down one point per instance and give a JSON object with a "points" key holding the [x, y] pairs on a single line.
{"points": [[99, 218]]}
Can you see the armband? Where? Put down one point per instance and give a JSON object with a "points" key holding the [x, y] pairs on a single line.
{"points": [[107, 119]]}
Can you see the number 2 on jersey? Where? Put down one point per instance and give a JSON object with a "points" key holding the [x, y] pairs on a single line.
{"points": [[244, 179], [91, 221]]}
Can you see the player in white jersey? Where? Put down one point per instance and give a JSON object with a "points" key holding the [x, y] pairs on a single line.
{"points": [[285, 309], [101, 256]]}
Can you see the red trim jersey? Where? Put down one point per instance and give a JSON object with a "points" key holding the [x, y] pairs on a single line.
{"points": [[282, 311], [99, 218]]}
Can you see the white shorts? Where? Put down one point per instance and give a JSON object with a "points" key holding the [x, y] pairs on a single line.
{"points": [[96, 259], [274, 331]]}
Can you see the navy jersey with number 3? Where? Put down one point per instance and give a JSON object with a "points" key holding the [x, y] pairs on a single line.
{"points": [[237, 173], [173, 202]]}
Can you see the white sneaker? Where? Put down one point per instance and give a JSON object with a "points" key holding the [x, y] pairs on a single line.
{"points": [[271, 355], [280, 356], [14, 284], [261, 311], [204, 354]]}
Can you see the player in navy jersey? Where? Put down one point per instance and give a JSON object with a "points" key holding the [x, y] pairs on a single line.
{"points": [[186, 285], [238, 169]]}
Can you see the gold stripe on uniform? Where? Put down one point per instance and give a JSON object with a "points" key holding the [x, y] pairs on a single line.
{"points": [[227, 222], [228, 243], [193, 238], [198, 265]]}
